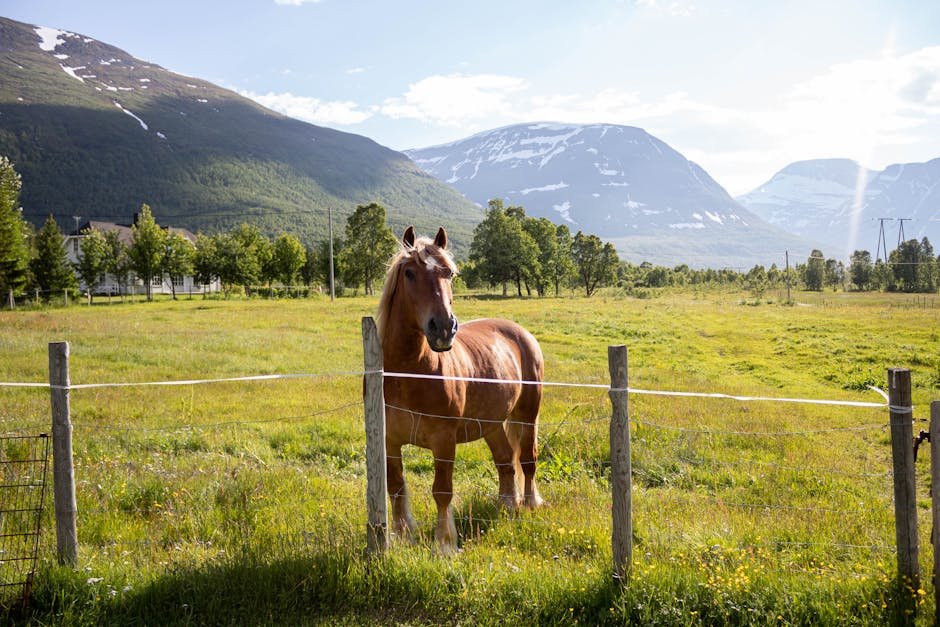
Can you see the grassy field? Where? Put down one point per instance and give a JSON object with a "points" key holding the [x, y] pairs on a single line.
{"points": [[243, 502]]}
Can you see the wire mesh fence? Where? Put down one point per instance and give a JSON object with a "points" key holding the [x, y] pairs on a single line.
{"points": [[23, 461]]}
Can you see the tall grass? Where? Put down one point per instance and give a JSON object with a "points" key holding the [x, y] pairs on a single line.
{"points": [[243, 502]]}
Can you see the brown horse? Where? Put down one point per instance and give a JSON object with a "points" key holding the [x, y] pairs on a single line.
{"points": [[419, 336]]}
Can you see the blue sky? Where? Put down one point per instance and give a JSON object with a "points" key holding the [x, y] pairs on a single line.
{"points": [[741, 87]]}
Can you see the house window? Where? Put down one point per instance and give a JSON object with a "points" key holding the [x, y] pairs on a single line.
{"points": [[75, 245], [157, 280], [178, 281]]}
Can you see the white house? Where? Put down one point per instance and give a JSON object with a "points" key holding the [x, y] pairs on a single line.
{"points": [[110, 285]]}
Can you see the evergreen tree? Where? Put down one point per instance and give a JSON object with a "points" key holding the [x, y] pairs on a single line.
{"points": [[50, 268], [14, 233], [369, 245], [147, 248], [92, 265]]}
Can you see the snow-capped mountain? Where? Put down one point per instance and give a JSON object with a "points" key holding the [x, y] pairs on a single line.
{"points": [[618, 182], [841, 203], [96, 132]]}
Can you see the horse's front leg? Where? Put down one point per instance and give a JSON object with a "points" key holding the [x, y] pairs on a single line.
{"points": [[446, 532], [403, 521]]}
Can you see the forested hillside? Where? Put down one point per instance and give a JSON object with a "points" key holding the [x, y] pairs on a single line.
{"points": [[97, 133]]}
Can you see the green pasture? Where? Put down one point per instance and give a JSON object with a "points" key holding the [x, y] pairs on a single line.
{"points": [[243, 502]]}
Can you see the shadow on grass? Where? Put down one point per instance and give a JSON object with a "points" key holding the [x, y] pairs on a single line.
{"points": [[323, 589]]}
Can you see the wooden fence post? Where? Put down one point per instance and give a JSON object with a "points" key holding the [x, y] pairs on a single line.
{"points": [[905, 493], [620, 481], [63, 471], [935, 500], [374, 402]]}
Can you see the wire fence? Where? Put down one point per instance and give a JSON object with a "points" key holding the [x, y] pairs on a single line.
{"points": [[157, 476], [23, 461]]}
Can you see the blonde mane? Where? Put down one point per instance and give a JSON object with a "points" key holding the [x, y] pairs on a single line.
{"points": [[423, 252]]}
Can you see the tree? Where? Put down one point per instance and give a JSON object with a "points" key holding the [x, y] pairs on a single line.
{"points": [[834, 273], [595, 262], [255, 251], [501, 250], [177, 261], [913, 266], [543, 233], [861, 271], [14, 233], [369, 245], [147, 248], [50, 268], [92, 265], [562, 267], [205, 260], [288, 259], [814, 271], [118, 261]]}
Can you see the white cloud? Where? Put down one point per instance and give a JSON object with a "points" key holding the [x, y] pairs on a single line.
{"points": [[456, 99], [295, 3], [312, 110]]}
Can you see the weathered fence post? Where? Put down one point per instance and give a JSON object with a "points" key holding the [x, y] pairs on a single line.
{"points": [[935, 500], [905, 494], [622, 535], [62, 468], [374, 402]]}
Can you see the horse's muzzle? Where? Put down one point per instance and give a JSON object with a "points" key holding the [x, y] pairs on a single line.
{"points": [[441, 333]]}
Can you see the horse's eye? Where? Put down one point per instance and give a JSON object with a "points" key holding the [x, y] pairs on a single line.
{"points": [[409, 274], [448, 273]]}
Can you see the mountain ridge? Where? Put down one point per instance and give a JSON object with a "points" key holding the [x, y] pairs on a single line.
{"points": [[95, 132], [618, 182], [846, 204]]}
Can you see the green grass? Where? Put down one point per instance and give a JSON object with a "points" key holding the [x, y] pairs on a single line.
{"points": [[244, 502]]}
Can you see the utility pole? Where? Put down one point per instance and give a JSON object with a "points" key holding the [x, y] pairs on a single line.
{"points": [[332, 285], [901, 222], [882, 243], [787, 253]]}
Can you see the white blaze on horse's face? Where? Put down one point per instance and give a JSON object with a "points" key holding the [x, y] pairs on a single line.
{"points": [[429, 286], [427, 281]]}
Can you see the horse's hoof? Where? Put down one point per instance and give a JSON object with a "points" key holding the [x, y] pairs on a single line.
{"points": [[534, 502]]}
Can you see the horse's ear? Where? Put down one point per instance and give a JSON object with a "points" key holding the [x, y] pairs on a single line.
{"points": [[441, 240], [409, 237]]}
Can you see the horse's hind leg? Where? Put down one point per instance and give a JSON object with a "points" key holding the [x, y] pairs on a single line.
{"points": [[505, 457], [403, 521], [526, 430]]}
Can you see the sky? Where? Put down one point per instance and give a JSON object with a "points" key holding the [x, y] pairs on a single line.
{"points": [[741, 87]]}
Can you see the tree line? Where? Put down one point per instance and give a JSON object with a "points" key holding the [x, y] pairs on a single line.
{"points": [[511, 250]]}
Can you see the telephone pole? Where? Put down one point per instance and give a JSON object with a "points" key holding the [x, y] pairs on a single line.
{"points": [[332, 290]]}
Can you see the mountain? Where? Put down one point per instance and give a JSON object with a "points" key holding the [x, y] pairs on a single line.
{"points": [[95, 133], [617, 182], [842, 203]]}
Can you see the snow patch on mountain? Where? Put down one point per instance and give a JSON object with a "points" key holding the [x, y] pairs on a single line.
{"points": [[51, 38], [143, 124]]}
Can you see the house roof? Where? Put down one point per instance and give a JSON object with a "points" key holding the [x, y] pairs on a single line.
{"points": [[124, 230]]}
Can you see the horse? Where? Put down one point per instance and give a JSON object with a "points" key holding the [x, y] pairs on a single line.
{"points": [[421, 336]]}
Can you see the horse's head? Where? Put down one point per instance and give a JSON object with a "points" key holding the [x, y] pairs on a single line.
{"points": [[425, 271]]}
